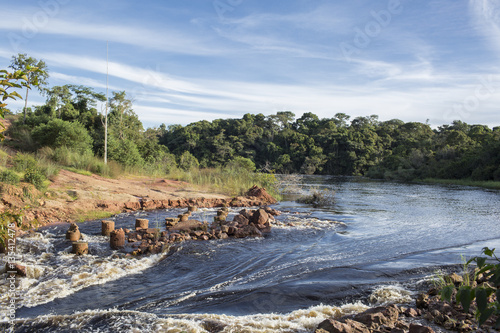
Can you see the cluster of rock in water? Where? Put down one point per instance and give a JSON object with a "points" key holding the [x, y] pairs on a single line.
{"points": [[429, 310], [145, 240]]}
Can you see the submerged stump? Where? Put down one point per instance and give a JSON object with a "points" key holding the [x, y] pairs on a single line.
{"points": [[141, 224], [107, 227], [117, 239], [73, 234], [80, 248]]}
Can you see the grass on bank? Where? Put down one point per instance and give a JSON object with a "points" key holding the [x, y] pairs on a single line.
{"points": [[491, 184]]}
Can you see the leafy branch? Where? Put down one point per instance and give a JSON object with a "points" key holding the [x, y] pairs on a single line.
{"points": [[17, 79]]}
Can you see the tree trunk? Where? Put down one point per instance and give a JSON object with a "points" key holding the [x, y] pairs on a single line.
{"points": [[25, 105]]}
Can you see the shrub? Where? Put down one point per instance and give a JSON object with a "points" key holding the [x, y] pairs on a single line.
{"points": [[9, 177], [58, 133], [35, 177], [486, 306], [187, 161], [24, 162]]}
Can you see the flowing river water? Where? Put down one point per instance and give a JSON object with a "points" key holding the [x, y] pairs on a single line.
{"points": [[377, 242]]}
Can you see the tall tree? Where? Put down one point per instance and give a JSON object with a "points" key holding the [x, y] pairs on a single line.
{"points": [[37, 78]]}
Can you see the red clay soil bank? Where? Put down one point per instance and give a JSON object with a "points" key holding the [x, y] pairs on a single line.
{"points": [[65, 212]]}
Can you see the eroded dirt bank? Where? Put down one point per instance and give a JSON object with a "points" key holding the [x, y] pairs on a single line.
{"points": [[71, 195]]}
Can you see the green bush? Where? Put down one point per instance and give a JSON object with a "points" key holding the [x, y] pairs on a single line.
{"points": [[485, 306], [59, 133], [24, 162], [35, 177], [187, 161], [9, 177]]}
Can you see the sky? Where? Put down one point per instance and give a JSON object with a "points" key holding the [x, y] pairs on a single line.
{"points": [[181, 61]]}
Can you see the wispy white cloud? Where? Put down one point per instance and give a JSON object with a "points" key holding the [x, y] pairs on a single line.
{"points": [[486, 16], [164, 39]]}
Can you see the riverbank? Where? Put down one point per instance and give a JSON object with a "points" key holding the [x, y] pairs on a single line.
{"points": [[73, 197], [490, 184]]}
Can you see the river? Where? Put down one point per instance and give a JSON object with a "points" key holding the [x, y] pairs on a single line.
{"points": [[377, 242]]}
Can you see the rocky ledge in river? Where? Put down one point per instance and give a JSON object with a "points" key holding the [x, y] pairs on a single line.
{"points": [[144, 240]]}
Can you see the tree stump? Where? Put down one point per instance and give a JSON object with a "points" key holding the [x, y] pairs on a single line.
{"points": [[117, 239], [141, 224], [80, 248], [107, 227], [73, 234]]}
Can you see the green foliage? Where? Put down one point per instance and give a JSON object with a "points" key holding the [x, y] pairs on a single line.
{"points": [[23, 162], [187, 161], [125, 152], [486, 306], [9, 177], [9, 221], [35, 177], [241, 164], [60, 133]]}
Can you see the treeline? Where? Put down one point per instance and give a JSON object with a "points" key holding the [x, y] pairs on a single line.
{"points": [[69, 121], [366, 146], [280, 143]]}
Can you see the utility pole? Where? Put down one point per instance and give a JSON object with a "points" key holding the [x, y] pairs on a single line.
{"points": [[106, 116]]}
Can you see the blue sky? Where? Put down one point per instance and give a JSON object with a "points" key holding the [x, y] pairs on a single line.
{"points": [[186, 60]]}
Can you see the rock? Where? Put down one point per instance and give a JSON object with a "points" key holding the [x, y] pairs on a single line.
{"points": [[422, 301], [241, 220], [192, 209], [415, 328], [171, 221], [375, 317], [246, 213], [261, 194], [187, 226], [17, 269], [117, 239], [343, 326], [333, 326], [272, 211], [247, 231], [73, 234], [411, 312], [184, 217], [455, 279], [213, 326], [259, 217], [107, 227]]}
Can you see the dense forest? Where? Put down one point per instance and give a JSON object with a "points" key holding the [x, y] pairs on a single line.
{"points": [[281, 143], [69, 120]]}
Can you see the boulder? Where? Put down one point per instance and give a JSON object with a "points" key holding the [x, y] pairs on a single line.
{"points": [[247, 231], [246, 213], [261, 194], [17, 269], [379, 316], [415, 328], [259, 217], [241, 220]]}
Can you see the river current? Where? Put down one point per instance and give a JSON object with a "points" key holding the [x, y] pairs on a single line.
{"points": [[377, 242]]}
